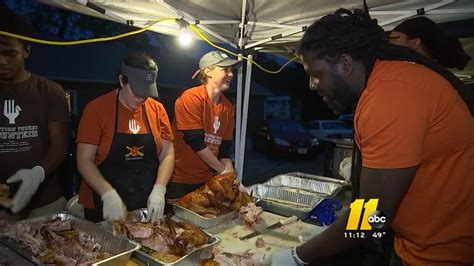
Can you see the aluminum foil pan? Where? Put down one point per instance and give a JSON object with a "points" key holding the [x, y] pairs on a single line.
{"points": [[285, 202], [120, 246], [190, 259], [299, 182], [11, 254], [199, 220]]}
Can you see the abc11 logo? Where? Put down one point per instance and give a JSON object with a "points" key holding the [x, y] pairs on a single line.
{"points": [[371, 218]]}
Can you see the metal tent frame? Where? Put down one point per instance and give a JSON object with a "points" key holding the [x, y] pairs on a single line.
{"points": [[279, 34]]}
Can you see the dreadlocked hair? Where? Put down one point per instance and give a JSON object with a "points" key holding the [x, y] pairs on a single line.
{"points": [[356, 34]]}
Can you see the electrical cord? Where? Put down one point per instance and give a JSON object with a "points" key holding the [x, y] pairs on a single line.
{"points": [[119, 36], [103, 39]]}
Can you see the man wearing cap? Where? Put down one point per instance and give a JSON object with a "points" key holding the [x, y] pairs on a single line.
{"points": [[425, 37], [203, 126], [124, 146]]}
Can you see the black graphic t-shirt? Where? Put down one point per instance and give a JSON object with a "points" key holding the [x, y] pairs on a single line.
{"points": [[25, 109]]}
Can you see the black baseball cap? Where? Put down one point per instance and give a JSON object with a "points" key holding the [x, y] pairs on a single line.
{"points": [[142, 81], [446, 49]]}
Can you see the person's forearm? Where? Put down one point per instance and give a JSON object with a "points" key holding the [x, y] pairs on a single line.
{"points": [[330, 242], [227, 164], [91, 174], [54, 157], [210, 159], [165, 170], [55, 154]]}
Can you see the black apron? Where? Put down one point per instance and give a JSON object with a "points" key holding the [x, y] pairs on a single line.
{"points": [[131, 167]]}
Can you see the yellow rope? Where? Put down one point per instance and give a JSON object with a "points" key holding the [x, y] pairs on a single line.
{"points": [[119, 36], [104, 39], [199, 33]]}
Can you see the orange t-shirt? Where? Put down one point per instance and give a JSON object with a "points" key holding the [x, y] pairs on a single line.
{"points": [[410, 116], [195, 110], [97, 127]]}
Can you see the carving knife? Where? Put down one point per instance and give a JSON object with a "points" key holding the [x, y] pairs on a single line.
{"points": [[269, 230]]}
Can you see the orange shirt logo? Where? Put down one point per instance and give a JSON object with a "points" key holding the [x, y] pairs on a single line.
{"points": [[217, 124]]}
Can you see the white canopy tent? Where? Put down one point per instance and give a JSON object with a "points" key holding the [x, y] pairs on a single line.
{"points": [[272, 26]]}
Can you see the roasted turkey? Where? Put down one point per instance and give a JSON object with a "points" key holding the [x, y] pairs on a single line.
{"points": [[219, 195]]}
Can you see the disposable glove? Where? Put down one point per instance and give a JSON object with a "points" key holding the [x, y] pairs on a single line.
{"points": [[30, 181], [345, 168], [281, 257], [156, 203], [227, 170], [113, 207]]}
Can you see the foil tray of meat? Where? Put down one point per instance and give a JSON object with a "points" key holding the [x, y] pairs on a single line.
{"points": [[217, 201], [201, 221], [302, 182], [11, 254], [285, 202], [169, 241], [64, 239]]}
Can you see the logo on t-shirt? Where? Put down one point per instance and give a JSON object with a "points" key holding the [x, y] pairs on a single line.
{"points": [[216, 124], [133, 126], [134, 153], [11, 111]]}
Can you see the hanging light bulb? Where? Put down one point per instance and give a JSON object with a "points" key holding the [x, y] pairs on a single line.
{"points": [[185, 38]]}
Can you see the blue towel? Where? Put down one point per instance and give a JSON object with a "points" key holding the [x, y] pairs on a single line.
{"points": [[325, 212]]}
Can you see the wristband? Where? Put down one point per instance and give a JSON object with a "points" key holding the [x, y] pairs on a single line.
{"points": [[296, 258]]}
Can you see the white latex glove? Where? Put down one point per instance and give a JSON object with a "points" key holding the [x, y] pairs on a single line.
{"points": [[156, 203], [281, 257], [30, 181], [227, 170], [345, 168], [113, 207], [307, 235]]}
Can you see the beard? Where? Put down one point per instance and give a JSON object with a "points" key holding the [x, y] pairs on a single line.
{"points": [[341, 97]]}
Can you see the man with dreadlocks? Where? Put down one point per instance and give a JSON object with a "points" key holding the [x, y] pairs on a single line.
{"points": [[414, 130]]}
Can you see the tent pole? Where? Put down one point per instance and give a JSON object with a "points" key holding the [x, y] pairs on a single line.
{"points": [[273, 25], [414, 12], [439, 11], [238, 118], [238, 128], [265, 24], [242, 25], [212, 22], [248, 78], [451, 11], [276, 37], [103, 11]]}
